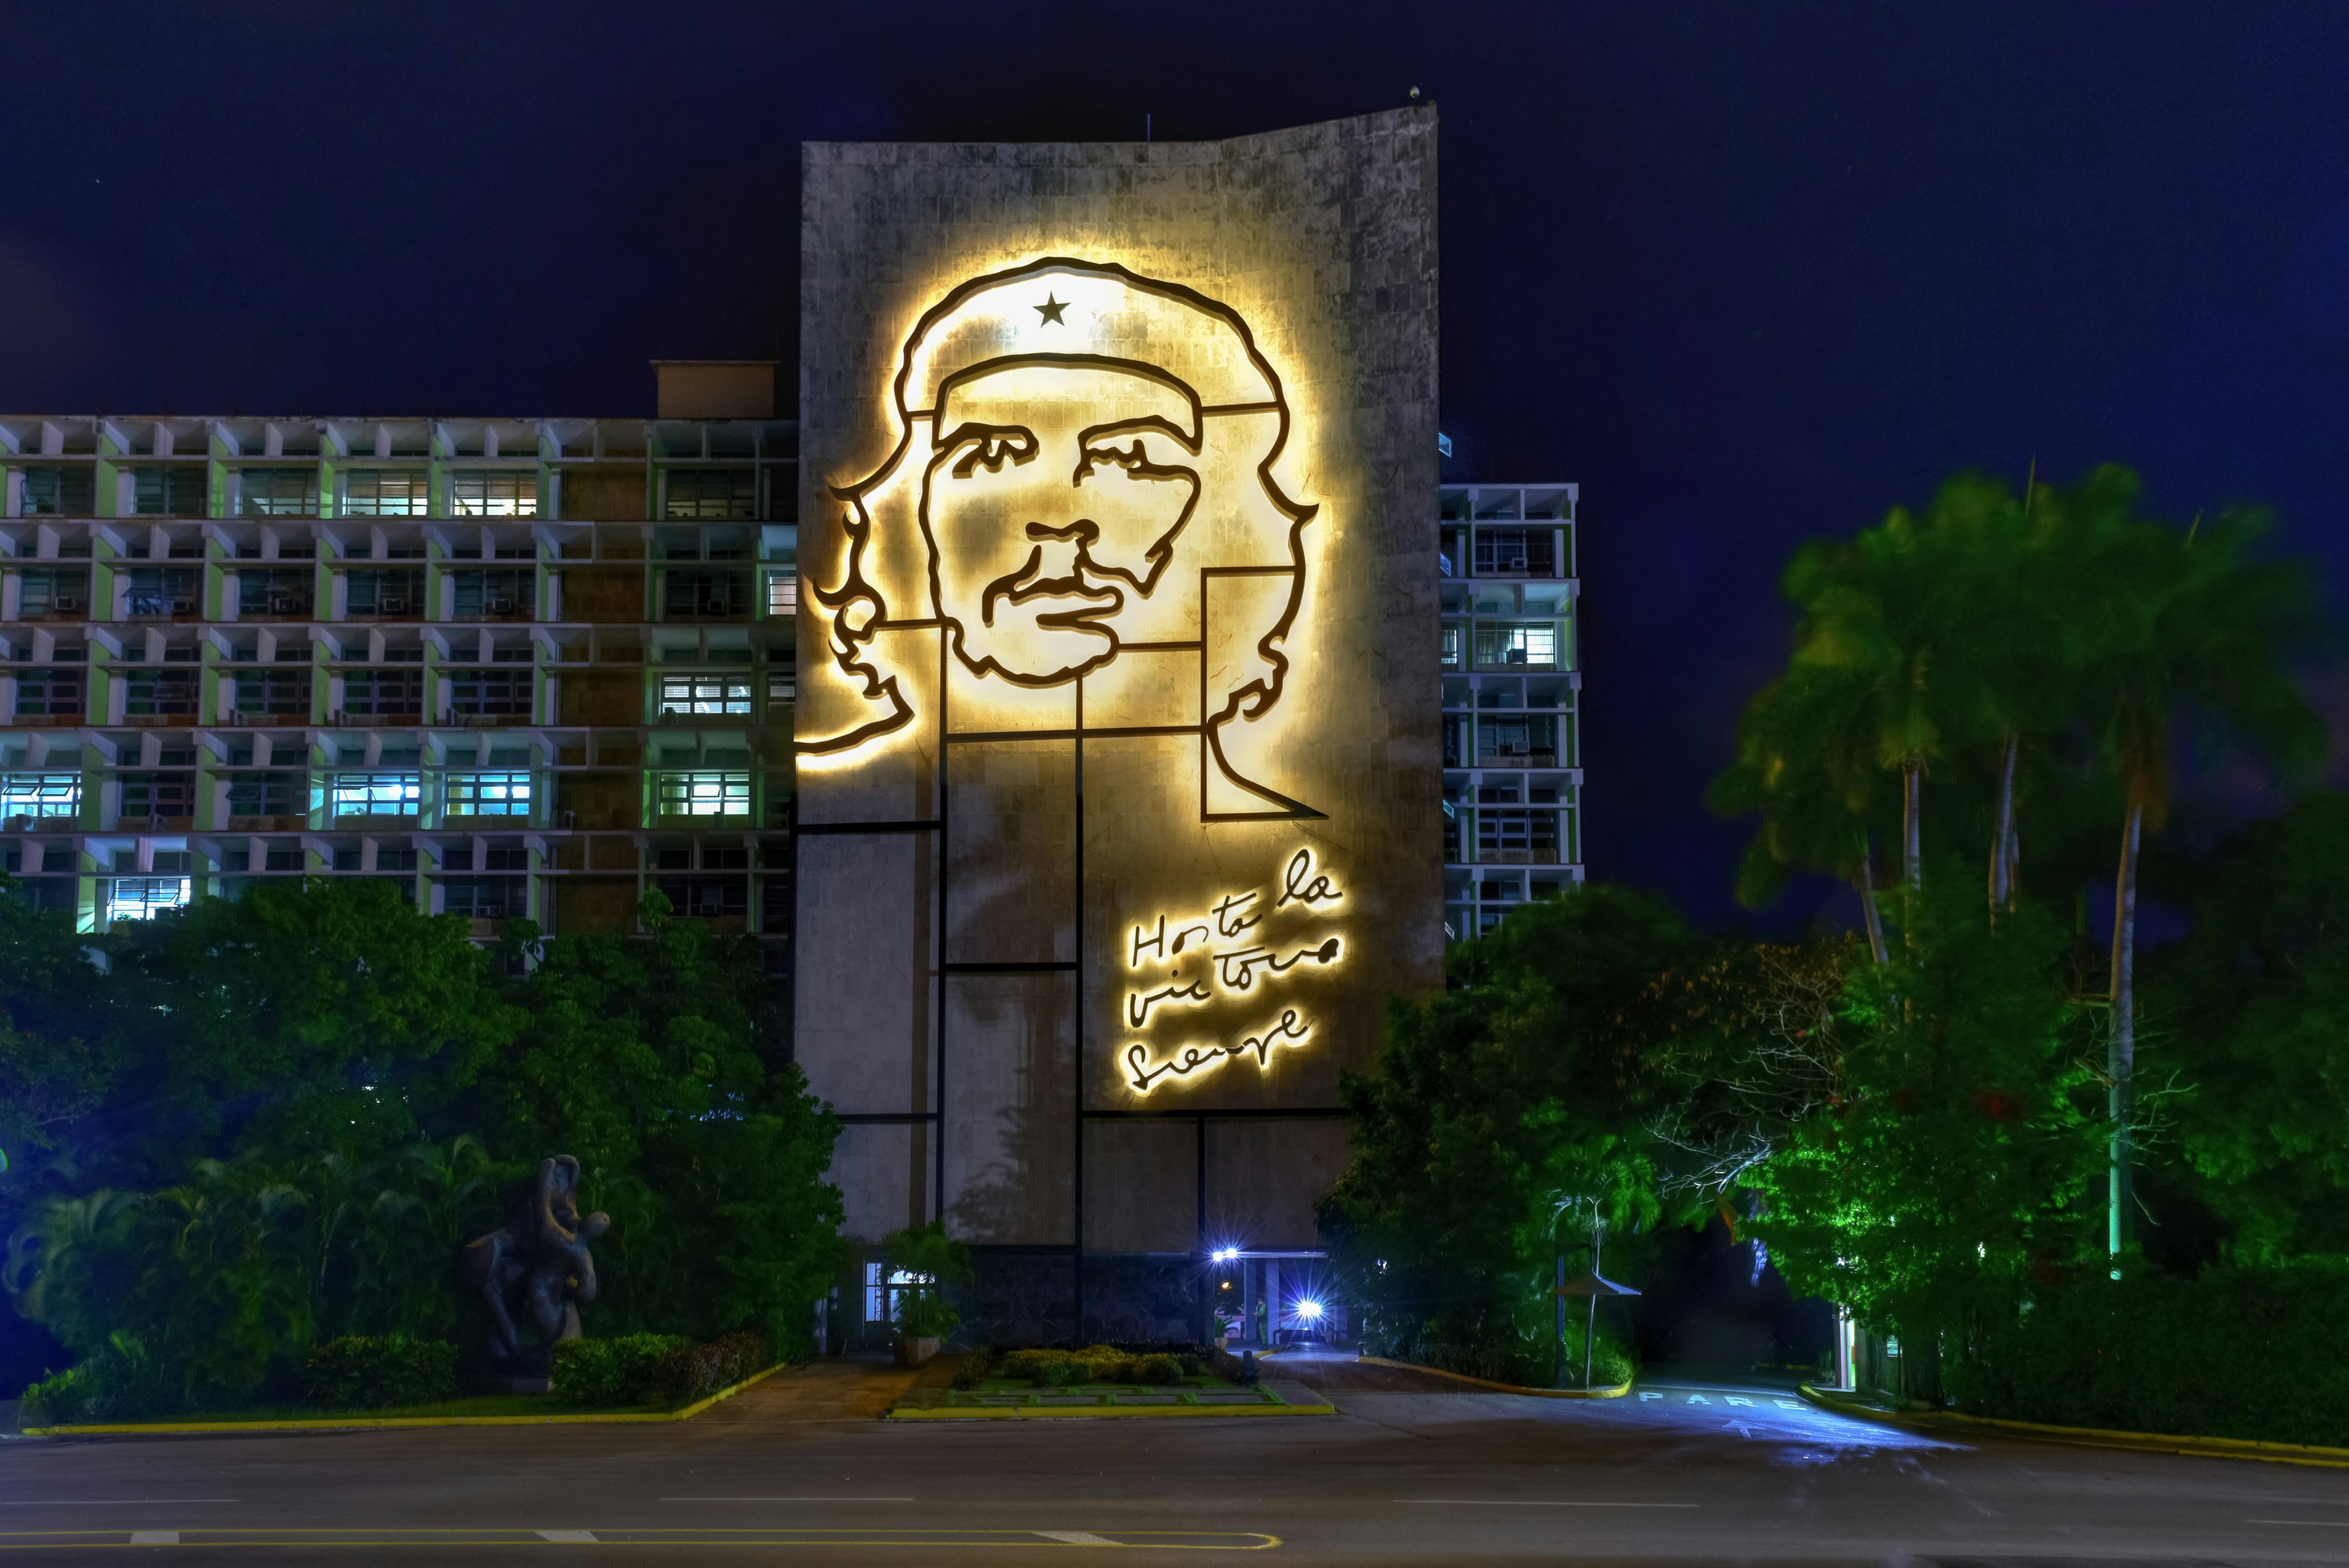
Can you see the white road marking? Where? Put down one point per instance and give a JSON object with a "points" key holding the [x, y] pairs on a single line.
{"points": [[787, 1500], [1698, 1399], [2324, 1523], [108, 1502], [567, 1535], [1645, 1397], [1075, 1536], [1787, 1403], [1533, 1502], [154, 1538]]}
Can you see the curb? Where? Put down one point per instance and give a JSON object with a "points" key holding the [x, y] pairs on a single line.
{"points": [[1950, 1422], [1615, 1393], [378, 1422]]}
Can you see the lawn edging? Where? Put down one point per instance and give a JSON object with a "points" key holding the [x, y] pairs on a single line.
{"points": [[1617, 1392], [367, 1423], [1951, 1422]]}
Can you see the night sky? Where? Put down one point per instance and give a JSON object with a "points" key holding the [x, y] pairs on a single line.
{"points": [[1748, 272]]}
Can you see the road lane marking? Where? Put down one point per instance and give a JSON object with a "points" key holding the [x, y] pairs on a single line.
{"points": [[1532, 1503], [154, 1538], [2322, 1524], [1077, 1537], [345, 1537], [1644, 1397], [565, 1534], [787, 1500]]}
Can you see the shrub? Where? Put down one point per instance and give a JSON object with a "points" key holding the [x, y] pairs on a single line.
{"points": [[1058, 1368], [978, 1366], [690, 1372], [611, 1371], [362, 1371], [63, 1399], [1156, 1369]]}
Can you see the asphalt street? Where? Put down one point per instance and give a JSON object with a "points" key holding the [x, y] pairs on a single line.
{"points": [[1683, 1472]]}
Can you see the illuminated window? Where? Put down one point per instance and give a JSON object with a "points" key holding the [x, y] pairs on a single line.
{"points": [[398, 592], [280, 691], [169, 492], [387, 493], [711, 493], [48, 693], [40, 794], [502, 793], [165, 590], [497, 591], [277, 493], [143, 898], [278, 591], [478, 693], [378, 795], [1451, 648], [265, 795], [1533, 646], [47, 591], [151, 693], [1515, 552], [705, 694], [782, 592], [59, 492], [383, 693], [494, 492], [705, 792]]}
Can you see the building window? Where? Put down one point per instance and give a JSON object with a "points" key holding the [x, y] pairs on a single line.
{"points": [[1533, 646], [277, 493], [506, 592], [282, 591], [691, 595], [706, 898], [782, 592], [1451, 648], [153, 794], [711, 493], [48, 693], [1517, 553], [395, 593], [705, 694], [143, 898], [166, 590], [153, 692], [1518, 836], [59, 492], [387, 493], [169, 493], [40, 794], [378, 795], [488, 794], [484, 897], [494, 492], [705, 792], [265, 795], [383, 693], [50, 590], [280, 691], [1519, 742], [478, 694]]}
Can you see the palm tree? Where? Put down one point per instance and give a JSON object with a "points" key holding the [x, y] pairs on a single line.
{"points": [[2177, 620]]}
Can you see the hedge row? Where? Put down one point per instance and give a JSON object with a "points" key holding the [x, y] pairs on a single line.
{"points": [[655, 1368], [2231, 1354], [366, 1373]]}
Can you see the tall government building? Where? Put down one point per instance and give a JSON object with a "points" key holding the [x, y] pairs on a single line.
{"points": [[1094, 706]]}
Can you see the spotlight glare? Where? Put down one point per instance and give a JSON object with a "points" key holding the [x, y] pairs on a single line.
{"points": [[1225, 1254], [1309, 1310]]}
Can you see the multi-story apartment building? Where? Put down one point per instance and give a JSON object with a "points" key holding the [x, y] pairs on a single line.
{"points": [[1512, 750], [526, 666]]}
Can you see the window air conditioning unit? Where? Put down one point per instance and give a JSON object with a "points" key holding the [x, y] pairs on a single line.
{"points": [[501, 607], [1517, 656], [65, 604], [1517, 564], [391, 606], [184, 606], [281, 604]]}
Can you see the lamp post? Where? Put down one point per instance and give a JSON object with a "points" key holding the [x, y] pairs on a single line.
{"points": [[1592, 1284]]}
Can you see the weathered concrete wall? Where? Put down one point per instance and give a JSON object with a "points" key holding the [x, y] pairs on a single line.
{"points": [[1323, 240]]}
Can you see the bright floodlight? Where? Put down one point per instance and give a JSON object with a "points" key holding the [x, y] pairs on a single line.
{"points": [[1309, 1310], [1226, 1254]]}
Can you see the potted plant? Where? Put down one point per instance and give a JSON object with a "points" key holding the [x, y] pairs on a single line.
{"points": [[922, 1261]]}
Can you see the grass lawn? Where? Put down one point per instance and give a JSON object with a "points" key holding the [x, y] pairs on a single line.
{"points": [[464, 1405]]}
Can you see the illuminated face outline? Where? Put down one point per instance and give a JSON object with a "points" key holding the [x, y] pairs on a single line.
{"points": [[1234, 396], [1037, 499]]}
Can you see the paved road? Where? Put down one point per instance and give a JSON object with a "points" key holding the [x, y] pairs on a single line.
{"points": [[1685, 1473]]}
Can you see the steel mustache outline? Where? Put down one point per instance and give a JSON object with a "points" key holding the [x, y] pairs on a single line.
{"points": [[948, 535]]}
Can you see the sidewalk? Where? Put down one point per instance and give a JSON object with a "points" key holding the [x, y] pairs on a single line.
{"points": [[829, 1389]]}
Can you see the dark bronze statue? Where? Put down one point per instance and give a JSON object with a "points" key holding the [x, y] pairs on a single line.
{"points": [[536, 1266]]}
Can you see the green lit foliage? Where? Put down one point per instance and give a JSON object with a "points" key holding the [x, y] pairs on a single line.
{"points": [[1959, 1154]]}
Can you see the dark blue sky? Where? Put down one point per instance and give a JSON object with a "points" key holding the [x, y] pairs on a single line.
{"points": [[1747, 271]]}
